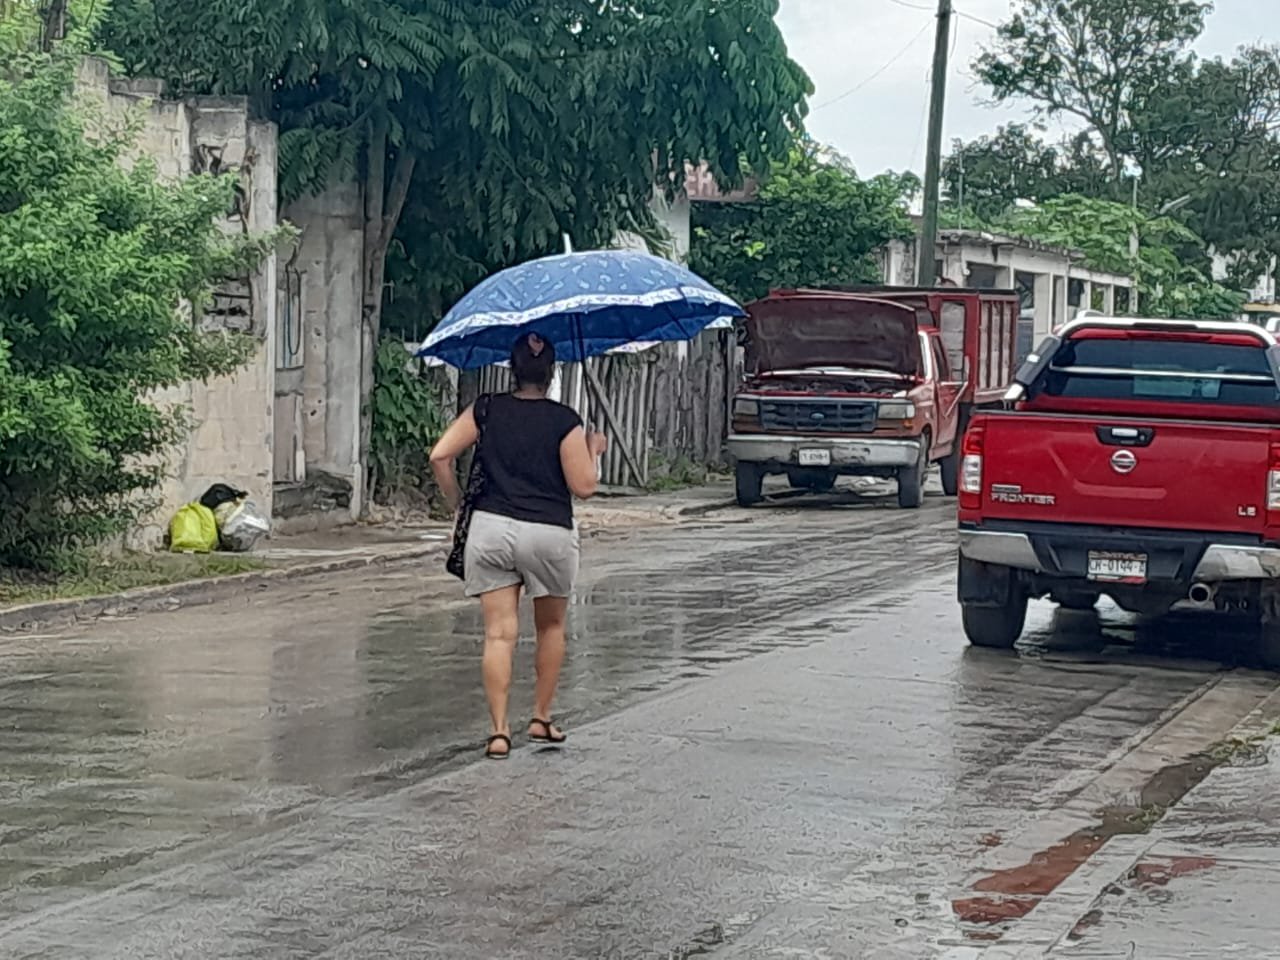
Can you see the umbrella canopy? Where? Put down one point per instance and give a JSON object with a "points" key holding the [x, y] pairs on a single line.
{"points": [[585, 304]]}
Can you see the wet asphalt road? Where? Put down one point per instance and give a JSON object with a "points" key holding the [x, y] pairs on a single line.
{"points": [[780, 746]]}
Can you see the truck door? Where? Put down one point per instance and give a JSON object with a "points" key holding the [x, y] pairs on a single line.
{"points": [[949, 391]]}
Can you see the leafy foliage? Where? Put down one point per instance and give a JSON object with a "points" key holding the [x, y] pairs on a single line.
{"points": [[1092, 59], [814, 223], [94, 261], [1208, 137], [26, 24], [482, 130], [1193, 138], [409, 417], [511, 107], [1104, 231], [989, 174]]}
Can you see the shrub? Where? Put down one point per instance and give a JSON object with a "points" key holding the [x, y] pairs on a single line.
{"points": [[96, 263]]}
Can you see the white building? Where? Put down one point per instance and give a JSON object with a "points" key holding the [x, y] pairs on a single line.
{"points": [[1054, 282]]}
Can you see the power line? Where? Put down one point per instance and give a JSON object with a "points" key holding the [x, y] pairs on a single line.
{"points": [[862, 83], [958, 13], [970, 16]]}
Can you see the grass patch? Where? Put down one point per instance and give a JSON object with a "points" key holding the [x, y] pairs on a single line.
{"points": [[115, 574], [680, 474]]}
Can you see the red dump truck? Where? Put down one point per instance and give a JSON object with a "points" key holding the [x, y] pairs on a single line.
{"points": [[867, 381]]}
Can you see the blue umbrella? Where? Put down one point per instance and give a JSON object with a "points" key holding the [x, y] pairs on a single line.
{"points": [[585, 304]]}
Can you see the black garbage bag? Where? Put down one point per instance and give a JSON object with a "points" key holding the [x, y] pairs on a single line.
{"points": [[219, 494]]}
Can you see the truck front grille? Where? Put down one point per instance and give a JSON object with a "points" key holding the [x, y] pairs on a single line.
{"points": [[818, 416]]}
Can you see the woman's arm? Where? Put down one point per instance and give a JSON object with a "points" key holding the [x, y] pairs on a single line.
{"points": [[579, 452], [457, 440]]}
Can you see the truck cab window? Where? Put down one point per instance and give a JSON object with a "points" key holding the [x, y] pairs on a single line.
{"points": [[951, 325], [1108, 368]]}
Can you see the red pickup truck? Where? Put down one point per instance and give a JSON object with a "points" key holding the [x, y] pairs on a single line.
{"points": [[1141, 460], [867, 381]]}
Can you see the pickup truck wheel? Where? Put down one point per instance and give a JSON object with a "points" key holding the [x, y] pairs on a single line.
{"points": [[995, 627], [750, 484], [911, 479], [949, 468]]}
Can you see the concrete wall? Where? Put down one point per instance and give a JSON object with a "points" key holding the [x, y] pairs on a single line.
{"points": [[674, 218], [231, 418], [326, 388]]}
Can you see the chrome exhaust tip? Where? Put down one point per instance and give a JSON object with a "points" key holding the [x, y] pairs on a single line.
{"points": [[1201, 594]]}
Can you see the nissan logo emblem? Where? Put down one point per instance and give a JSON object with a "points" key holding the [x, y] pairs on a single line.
{"points": [[1123, 461]]}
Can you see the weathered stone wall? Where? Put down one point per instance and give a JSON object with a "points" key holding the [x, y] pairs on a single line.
{"points": [[318, 401], [232, 417]]}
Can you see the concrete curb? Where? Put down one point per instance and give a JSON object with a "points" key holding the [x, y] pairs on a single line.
{"points": [[193, 593]]}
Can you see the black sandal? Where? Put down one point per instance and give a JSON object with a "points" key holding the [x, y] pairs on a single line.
{"points": [[490, 753], [547, 736]]}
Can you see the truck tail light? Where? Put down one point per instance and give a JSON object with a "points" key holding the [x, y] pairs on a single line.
{"points": [[971, 467], [1273, 478]]}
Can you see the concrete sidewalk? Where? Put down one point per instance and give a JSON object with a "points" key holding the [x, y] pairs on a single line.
{"points": [[1205, 885], [1199, 885]]}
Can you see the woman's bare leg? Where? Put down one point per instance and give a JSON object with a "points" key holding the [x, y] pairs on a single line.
{"points": [[501, 610], [550, 615]]}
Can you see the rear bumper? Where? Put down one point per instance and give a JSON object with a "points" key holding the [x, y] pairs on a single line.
{"points": [[1055, 550], [784, 451]]}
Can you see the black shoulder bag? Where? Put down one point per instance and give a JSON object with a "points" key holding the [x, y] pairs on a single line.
{"points": [[456, 564]]}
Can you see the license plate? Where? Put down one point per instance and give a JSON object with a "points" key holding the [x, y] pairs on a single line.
{"points": [[1117, 567], [815, 458]]}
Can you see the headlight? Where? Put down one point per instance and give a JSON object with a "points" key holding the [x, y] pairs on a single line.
{"points": [[745, 407], [897, 410]]}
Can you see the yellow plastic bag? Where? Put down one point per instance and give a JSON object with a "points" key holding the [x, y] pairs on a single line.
{"points": [[193, 529]]}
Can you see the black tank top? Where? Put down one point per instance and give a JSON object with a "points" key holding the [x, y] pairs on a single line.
{"points": [[520, 455]]}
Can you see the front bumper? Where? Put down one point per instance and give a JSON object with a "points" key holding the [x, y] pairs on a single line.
{"points": [[845, 453], [1179, 557]]}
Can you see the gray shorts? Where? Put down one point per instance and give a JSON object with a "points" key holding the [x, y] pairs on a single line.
{"points": [[502, 552]]}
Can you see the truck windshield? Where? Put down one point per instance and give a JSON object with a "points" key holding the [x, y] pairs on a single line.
{"points": [[1186, 370]]}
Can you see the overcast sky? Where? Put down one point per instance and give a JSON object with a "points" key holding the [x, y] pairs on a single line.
{"points": [[869, 60]]}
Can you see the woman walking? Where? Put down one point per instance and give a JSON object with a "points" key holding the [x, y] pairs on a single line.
{"points": [[535, 457]]}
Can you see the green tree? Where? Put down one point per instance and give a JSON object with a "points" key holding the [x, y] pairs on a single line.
{"points": [[1104, 231], [1091, 59], [491, 125], [989, 174], [1207, 141], [814, 223], [94, 263]]}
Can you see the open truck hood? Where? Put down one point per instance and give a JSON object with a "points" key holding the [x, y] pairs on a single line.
{"points": [[805, 330]]}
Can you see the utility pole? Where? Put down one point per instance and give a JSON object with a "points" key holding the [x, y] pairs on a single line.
{"points": [[926, 253]]}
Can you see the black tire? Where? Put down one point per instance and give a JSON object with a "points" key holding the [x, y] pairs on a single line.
{"points": [[997, 628], [911, 479], [750, 484], [949, 468]]}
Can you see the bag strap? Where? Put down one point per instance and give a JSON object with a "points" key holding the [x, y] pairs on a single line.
{"points": [[481, 411]]}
